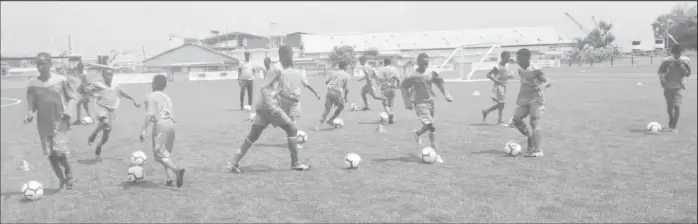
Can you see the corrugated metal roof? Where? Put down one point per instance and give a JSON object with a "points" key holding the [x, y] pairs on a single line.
{"points": [[321, 43]]}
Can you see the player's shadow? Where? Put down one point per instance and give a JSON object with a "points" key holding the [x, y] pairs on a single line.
{"points": [[408, 158], [47, 192], [327, 129], [278, 145], [94, 161], [261, 169], [491, 152], [369, 122], [640, 131], [482, 125], [126, 185]]}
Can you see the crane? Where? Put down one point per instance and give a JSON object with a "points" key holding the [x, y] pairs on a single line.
{"points": [[581, 27]]}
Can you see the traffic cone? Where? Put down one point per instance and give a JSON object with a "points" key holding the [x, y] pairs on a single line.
{"points": [[640, 84], [24, 166], [476, 93]]}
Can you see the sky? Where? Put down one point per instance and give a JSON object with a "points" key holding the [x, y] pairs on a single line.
{"points": [[98, 27]]}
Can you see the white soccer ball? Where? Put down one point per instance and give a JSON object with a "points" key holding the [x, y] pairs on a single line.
{"points": [[32, 190], [512, 148], [654, 127], [138, 158], [354, 107], [301, 137], [247, 108], [87, 120], [252, 116], [383, 116], [428, 155], [135, 173], [338, 122], [351, 161]]}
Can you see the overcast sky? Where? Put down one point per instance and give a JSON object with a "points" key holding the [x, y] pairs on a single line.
{"points": [[97, 27]]}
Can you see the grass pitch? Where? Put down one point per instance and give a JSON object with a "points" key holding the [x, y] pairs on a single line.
{"points": [[600, 165]]}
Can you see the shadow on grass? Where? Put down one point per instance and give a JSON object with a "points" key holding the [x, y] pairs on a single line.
{"points": [[47, 192], [278, 145], [126, 185], [491, 152], [94, 161], [261, 169], [482, 125], [408, 158], [641, 131], [368, 122], [230, 109], [327, 129]]}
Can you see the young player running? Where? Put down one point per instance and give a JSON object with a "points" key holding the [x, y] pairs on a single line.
{"points": [[530, 102], [337, 92], [108, 99], [388, 80], [269, 112], [672, 75], [50, 97], [417, 94], [499, 76], [369, 88], [294, 82], [85, 91], [158, 110]]}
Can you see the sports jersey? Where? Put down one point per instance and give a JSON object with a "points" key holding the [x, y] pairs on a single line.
{"points": [[674, 73], [108, 96], [501, 74], [419, 86], [337, 82], [247, 72], [370, 75], [530, 78], [159, 106], [49, 100], [294, 82], [388, 77], [270, 90]]}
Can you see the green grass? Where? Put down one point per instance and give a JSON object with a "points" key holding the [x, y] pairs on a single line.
{"points": [[600, 166]]}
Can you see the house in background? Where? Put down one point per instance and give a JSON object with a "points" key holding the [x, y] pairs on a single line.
{"points": [[190, 57]]}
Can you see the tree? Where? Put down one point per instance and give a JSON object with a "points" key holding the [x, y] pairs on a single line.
{"points": [[341, 53], [680, 23], [372, 52]]}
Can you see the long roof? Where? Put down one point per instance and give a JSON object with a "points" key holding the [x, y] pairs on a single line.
{"points": [[515, 36], [196, 45]]}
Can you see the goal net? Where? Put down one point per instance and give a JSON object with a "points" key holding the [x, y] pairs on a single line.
{"points": [[470, 61]]}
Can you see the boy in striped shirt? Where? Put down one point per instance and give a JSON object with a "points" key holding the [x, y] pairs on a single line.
{"points": [[49, 99], [158, 110], [418, 95], [109, 96], [531, 101]]}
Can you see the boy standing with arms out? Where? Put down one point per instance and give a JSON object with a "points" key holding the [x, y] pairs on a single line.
{"points": [[389, 80], [499, 76], [158, 110], [269, 112], [246, 81], [369, 88], [337, 91], [50, 98], [418, 95], [530, 102], [672, 75], [108, 99]]}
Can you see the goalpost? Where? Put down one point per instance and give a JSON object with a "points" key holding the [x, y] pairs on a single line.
{"points": [[472, 55]]}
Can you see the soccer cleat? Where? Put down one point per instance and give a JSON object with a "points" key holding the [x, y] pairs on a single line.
{"points": [[534, 153], [329, 122], [300, 167], [438, 159], [180, 177], [299, 146], [169, 183], [365, 109], [417, 137], [234, 168], [390, 119], [484, 116]]}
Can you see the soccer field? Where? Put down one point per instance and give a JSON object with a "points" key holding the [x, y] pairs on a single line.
{"points": [[599, 166]]}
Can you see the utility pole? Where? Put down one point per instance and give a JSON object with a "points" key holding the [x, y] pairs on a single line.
{"points": [[70, 46], [143, 51]]}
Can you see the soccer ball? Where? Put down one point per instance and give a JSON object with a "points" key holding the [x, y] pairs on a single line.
{"points": [[135, 173], [301, 137], [383, 116], [138, 158], [354, 107], [32, 190], [428, 155], [247, 108], [87, 120], [654, 127], [338, 123], [512, 148], [351, 161], [252, 116]]}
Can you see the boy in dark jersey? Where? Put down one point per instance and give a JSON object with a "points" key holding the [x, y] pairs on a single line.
{"points": [[268, 111], [418, 95], [50, 98], [672, 75], [388, 80], [530, 102], [499, 76], [337, 91], [369, 88]]}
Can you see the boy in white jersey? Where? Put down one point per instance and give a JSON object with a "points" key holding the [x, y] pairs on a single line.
{"points": [[389, 81], [531, 101], [246, 81], [499, 76], [370, 86], [108, 99], [158, 110]]}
